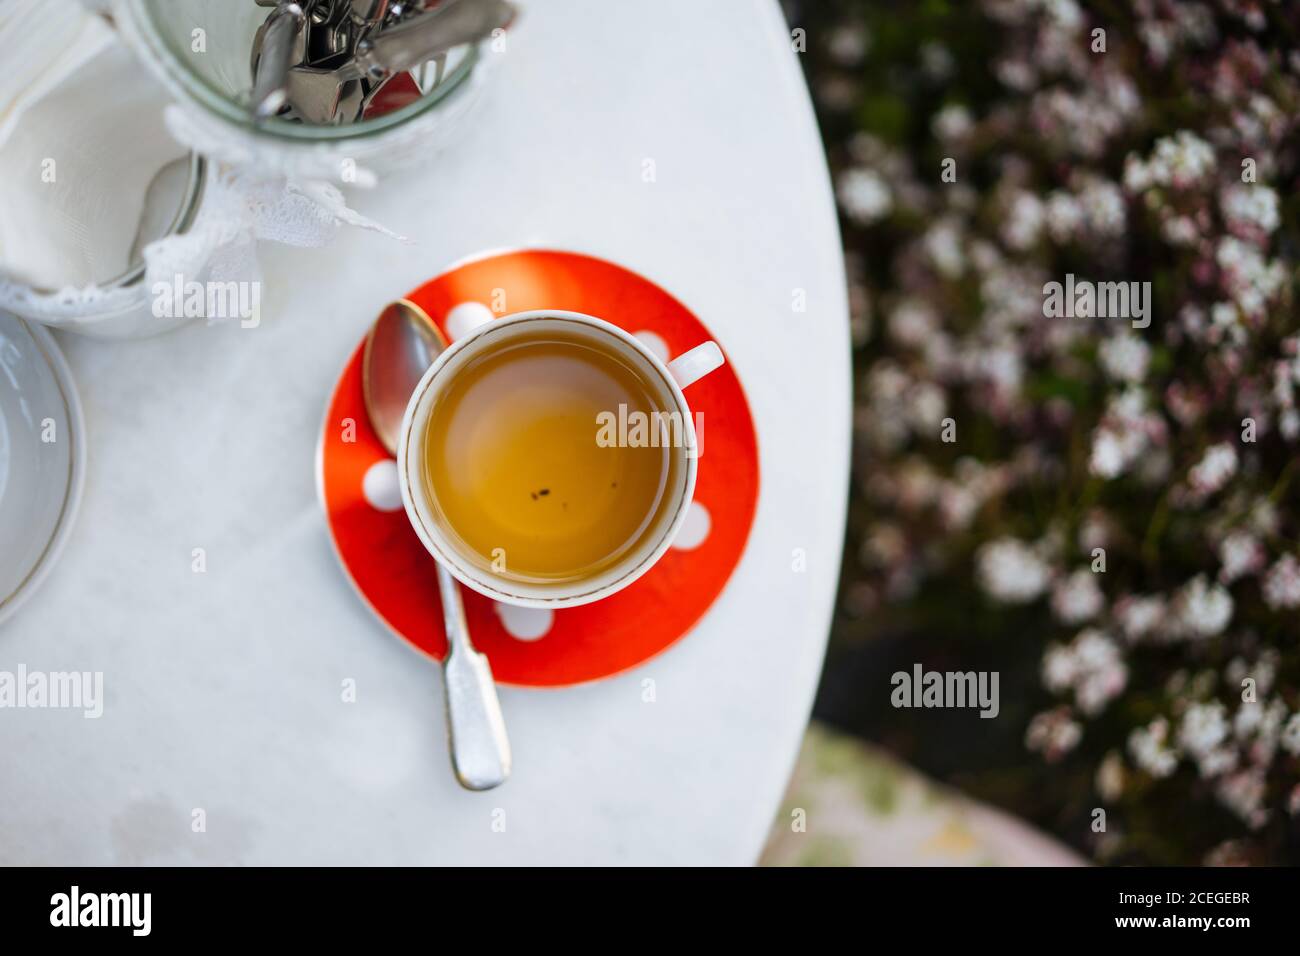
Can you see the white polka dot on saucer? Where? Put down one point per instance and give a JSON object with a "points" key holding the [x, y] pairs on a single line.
{"points": [[695, 528], [525, 623], [381, 487]]}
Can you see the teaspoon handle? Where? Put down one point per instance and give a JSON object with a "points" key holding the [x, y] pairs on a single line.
{"points": [[272, 71], [480, 750]]}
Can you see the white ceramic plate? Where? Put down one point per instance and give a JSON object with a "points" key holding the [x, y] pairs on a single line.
{"points": [[42, 458]]}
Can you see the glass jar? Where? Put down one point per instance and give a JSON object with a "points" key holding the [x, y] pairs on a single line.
{"points": [[201, 50]]}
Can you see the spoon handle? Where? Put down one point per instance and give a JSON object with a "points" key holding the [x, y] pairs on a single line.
{"points": [[272, 71], [480, 751]]}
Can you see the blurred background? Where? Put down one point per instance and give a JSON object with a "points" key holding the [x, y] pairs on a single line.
{"points": [[1112, 524]]}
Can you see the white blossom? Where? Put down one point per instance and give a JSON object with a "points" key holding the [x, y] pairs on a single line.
{"points": [[1091, 666], [1102, 203], [952, 122], [865, 195], [1077, 598], [1053, 733], [1240, 553], [1243, 794], [1203, 728], [1009, 571], [1249, 277], [1064, 216], [912, 323], [1140, 616], [1204, 610], [926, 405], [1211, 473], [1108, 457], [1125, 357], [1251, 206], [1024, 221], [943, 244], [1150, 748], [1183, 160], [1290, 738], [848, 44], [1282, 584]]}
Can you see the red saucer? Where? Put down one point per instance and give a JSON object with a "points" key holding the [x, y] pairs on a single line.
{"points": [[396, 576]]}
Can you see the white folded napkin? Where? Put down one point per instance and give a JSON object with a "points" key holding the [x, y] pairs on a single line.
{"points": [[81, 138], [92, 167]]}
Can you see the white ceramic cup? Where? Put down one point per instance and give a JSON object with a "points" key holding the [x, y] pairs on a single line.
{"points": [[474, 332]]}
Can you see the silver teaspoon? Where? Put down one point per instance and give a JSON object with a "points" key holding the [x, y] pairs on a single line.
{"points": [[401, 346]]}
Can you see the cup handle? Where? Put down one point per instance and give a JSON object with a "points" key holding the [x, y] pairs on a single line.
{"points": [[465, 317], [690, 367]]}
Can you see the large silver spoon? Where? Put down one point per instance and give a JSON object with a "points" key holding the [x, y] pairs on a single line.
{"points": [[401, 346]]}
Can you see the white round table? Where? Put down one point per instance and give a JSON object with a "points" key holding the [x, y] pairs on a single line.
{"points": [[224, 689]]}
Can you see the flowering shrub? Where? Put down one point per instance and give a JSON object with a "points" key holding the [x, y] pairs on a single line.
{"points": [[1106, 504]]}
